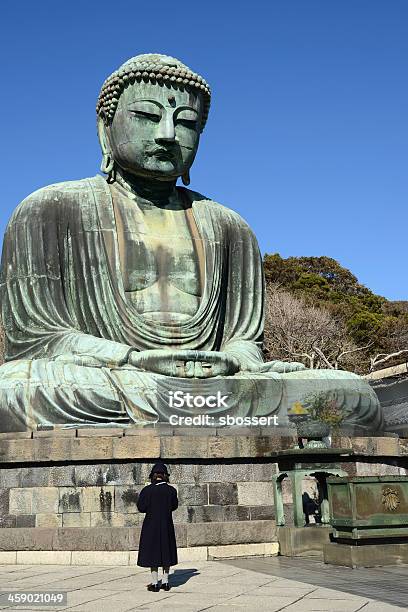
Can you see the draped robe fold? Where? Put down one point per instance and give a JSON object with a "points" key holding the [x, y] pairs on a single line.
{"points": [[69, 327]]}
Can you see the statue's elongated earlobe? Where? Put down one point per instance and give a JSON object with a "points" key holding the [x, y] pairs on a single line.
{"points": [[186, 178], [107, 163]]}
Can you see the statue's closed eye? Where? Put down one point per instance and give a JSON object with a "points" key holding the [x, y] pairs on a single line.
{"points": [[187, 117], [188, 123], [152, 116], [146, 109]]}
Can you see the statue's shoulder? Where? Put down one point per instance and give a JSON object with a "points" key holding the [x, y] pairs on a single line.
{"points": [[57, 195], [224, 214], [64, 190]]}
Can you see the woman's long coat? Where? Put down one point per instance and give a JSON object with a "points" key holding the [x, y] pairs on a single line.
{"points": [[157, 547]]}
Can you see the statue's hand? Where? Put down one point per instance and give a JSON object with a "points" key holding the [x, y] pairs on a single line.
{"points": [[282, 367], [185, 363], [208, 364]]}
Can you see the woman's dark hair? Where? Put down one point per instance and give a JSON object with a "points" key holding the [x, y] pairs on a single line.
{"points": [[159, 476]]}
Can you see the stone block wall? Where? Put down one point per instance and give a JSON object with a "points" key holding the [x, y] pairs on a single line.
{"points": [[76, 490], [222, 503]]}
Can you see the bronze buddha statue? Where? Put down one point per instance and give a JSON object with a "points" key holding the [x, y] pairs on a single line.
{"points": [[117, 290]]}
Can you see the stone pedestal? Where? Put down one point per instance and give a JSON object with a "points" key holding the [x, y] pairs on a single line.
{"points": [[303, 541], [76, 491], [69, 495], [367, 555]]}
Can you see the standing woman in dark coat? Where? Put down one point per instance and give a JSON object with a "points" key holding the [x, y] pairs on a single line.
{"points": [[157, 546]]}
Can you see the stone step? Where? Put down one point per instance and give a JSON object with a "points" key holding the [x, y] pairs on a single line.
{"points": [[129, 557]]}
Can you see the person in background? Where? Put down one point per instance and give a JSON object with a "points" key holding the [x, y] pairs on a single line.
{"points": [[157, 546]]}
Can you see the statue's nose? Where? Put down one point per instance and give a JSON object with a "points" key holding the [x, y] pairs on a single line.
{"points": [[166, 131]]}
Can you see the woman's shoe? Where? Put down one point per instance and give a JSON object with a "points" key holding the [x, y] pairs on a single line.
{"points": [[153, 587], [165, 587]]}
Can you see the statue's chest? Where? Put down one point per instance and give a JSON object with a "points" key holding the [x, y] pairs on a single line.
{"points": [[158, 247]]}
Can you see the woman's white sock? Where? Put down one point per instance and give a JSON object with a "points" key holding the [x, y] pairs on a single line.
{"points": [[165, 577], [155, 575]]}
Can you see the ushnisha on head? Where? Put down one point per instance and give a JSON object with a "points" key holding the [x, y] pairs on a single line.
{"points": [[152, 68], [151, 112]]}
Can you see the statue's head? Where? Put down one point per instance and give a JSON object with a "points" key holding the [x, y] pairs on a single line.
{"points": [[151, 112]]}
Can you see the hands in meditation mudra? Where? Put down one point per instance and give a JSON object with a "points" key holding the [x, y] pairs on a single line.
{"points": [[117, 290]]}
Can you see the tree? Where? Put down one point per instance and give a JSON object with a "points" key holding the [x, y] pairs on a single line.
{"points": [[315, 271], [364, 326], [298, 331], [375, 327], [393, 343]]}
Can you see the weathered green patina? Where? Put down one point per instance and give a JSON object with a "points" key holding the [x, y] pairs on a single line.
{"points": [[116, 292], [368, 507], [298, 464]]}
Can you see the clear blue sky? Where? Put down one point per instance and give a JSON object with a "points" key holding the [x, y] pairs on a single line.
{"points": [[308, 132]]}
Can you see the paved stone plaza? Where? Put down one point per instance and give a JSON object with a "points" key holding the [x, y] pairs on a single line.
{"points": [[245, 584]]}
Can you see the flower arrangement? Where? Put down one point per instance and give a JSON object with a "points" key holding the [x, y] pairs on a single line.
{"points": [[298, 410], [315, 416], [325, 409], [319, 407]]}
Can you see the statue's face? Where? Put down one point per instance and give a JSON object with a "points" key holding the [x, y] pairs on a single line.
{"points": [[155, 130]]}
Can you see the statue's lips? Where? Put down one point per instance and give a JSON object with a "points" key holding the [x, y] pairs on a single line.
{"points": [[162, 154]]}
